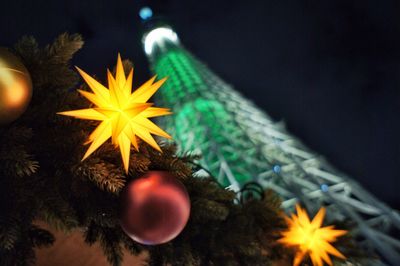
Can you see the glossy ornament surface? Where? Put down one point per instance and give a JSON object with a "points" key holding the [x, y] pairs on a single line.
{"points": [[15, 87], [155, 208]]}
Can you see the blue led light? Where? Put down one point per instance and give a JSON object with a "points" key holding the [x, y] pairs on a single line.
{"points": [[324, 187], [145, 13], [276, 169]]}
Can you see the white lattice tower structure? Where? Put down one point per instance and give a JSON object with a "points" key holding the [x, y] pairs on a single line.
{"points": [[239, 143]]}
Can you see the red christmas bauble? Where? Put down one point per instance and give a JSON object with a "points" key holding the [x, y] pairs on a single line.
{"points": [[155, 208]]}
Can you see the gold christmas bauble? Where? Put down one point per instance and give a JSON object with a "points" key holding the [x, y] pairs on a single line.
{"points": [[15, 87]]}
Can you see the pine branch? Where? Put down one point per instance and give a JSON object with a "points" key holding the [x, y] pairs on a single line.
{"points": [[10, 232], [139, 164], [15, 161], [110, 243], [53, 208], [27, 48], [70, 194], [133, 247], [64, 47], [18, 163], [59, 218], [92, 233], [105, 175], [40, 237], [206, 209], [49, 67]]}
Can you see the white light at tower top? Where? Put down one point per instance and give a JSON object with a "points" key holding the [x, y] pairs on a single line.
{"points": [[159, 36]]}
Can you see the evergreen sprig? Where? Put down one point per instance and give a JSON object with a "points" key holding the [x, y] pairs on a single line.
{"points": [[42, 177]]}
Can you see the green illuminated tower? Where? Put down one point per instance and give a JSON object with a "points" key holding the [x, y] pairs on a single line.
{"points": [[239, 143]]}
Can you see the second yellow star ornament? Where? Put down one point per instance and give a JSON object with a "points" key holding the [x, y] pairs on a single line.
{"points": [[123, 114], [310, 238]]}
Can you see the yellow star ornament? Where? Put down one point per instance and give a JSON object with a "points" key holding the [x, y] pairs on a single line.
{"points": [[123, 114], [310, 238]]}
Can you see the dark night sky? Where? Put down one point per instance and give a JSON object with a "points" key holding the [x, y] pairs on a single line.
{"points": [[329, 69]]}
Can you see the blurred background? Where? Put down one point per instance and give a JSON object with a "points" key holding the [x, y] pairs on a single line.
{"points": [[329, 69]]}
